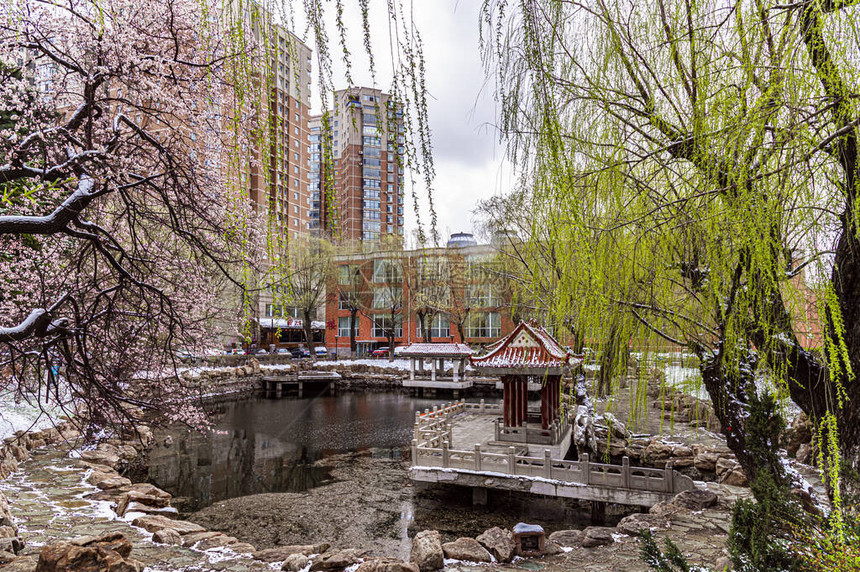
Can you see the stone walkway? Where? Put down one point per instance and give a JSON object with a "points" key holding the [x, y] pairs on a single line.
{"points": [[48, 500]]}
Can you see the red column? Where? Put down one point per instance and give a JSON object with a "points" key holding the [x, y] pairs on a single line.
{"points": [[524, 398], [545, 403], [507, 400]]}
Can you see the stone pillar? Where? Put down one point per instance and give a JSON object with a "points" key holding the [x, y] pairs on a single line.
{"points": [[479, 496], [433, 369], [456, 370], [412, 369]]}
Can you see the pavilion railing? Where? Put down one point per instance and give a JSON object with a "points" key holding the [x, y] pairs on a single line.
{"points": [[431, 448]]}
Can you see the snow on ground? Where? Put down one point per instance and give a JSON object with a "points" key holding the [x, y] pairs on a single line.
{"points": [[22, 416], [686, 379]]}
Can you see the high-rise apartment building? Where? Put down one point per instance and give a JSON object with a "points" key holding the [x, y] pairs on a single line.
{"points": [[365, 198]]}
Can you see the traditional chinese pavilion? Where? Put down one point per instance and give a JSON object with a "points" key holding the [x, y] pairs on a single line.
{"points": [[529, 352]]}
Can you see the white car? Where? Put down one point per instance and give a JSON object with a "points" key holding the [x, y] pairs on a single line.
{"points": [[320, 351]]}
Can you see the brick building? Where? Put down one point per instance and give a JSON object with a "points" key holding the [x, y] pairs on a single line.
{"points": [[387, 290]]}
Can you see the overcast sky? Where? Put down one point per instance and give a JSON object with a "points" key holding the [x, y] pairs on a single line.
{"points": [[469, 160]]}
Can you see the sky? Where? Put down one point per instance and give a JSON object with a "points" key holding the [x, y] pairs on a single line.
{"points": [[468, 157]]}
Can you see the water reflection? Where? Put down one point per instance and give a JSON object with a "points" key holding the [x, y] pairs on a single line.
{"points": [[262, 445]]}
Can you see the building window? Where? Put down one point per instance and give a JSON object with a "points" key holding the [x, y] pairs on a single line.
{"points": [[440, 327], [484, 325], [385, 271], [385, 297], [382, 323], [343, 326], [481, 296]]}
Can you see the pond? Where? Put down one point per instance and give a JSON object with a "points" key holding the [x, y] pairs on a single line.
{"points": [[270, 445]]}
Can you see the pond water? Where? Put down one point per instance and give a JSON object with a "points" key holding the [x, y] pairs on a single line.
{"points": [[270, 445]]}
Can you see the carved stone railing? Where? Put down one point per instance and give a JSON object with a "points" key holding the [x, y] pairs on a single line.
{"points": [[431, 448]]}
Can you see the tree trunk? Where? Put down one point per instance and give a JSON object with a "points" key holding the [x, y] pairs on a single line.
{"points": [[353, 347], [309, 335], [427, 326]]}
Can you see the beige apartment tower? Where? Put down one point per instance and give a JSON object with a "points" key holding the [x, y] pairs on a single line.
{"points": [[365, 198]]}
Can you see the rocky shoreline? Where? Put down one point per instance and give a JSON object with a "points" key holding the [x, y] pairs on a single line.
{"points": [[266, 530]]}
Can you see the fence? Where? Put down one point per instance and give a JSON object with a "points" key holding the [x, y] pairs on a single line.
{"points": [[430, 448]]}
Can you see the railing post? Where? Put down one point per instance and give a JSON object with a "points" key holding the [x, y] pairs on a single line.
{"points": [[547, 463], [477, 456], [414, 451], [585, 466], [448, 431], [445, 454], [512, 461], [498, 435], [416, 430], [625, 472], [668, 478], [482, 406]]}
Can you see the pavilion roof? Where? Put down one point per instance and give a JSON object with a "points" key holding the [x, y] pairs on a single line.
{"points": [[421, 349], [528, 347]]}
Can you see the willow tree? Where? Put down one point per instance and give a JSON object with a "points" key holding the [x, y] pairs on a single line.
{"points": [[697, 159]]}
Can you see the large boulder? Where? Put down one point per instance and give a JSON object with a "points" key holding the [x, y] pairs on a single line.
{"points": [[696, 499], [167, 536], [499, 542], [567, 538], [729, 472], [427, 551], [106, 553], [5, 513], [634, 524], [295, 562], [337, 560], [154, 522], [467, 549], [386, 565], [135, 501], [597, 536], [281, 553]]}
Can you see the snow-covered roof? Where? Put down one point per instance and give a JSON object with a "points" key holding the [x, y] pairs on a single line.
{"points": [[527, 347], [435, 350]]}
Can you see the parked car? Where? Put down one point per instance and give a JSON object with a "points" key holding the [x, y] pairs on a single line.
{"points": [[380, 352], [186, 356], [300, 352], [262, 352], [284, 351], [320, 351]]}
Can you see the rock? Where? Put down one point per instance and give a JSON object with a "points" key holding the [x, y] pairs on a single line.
{"points": [[106, 553], [697, 499], [467, 549], [804, 453], [115, 541], [386, 565], [723, 564], [5, 514], [12, 544], [567, 538], [338, 560], [216, 542], [137, 501], [427, 551], [7, 531], [21, 564], [101, 457], [666, 510], [243, 548], [597, 536], [706, 460], [167, 536], [657, 451], [634, 524], [552, 548], [194, 537], [112, 482], [296, 562], [729, 472], [6, 557], [153, 522], [281, 553], [499, 542], [151, 490]]}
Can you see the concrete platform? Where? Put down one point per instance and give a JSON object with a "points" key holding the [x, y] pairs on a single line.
{"points": [[438, 384]]}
